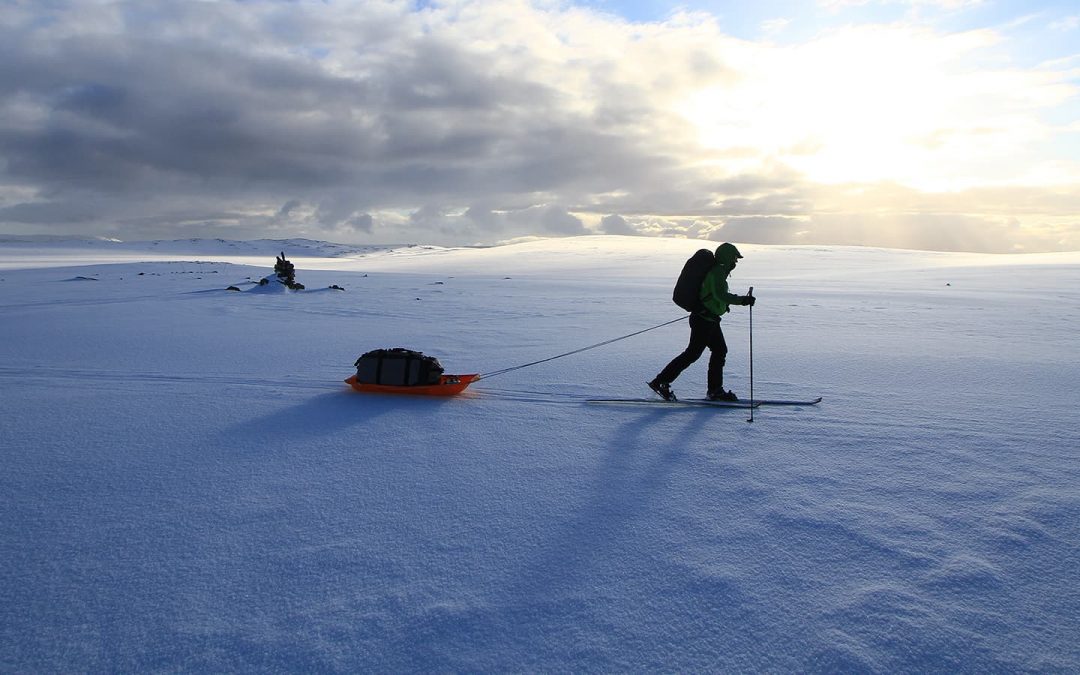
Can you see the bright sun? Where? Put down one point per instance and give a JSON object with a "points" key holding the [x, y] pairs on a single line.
{"points": [[863, 105]]}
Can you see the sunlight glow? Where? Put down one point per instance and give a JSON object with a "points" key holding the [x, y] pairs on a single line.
{"points": [[879, 103]]}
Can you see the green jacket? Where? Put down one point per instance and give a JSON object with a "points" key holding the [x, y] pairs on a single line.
{"points": [[715, 295]]}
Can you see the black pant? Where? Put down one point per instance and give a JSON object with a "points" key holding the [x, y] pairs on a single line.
{"points": [[703, 333]]}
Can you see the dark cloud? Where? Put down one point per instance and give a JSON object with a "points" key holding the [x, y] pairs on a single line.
{"points": [[369, 121], [352, 110], [288, 207], [616, 224], [45, 213], [558, 221], [362, 222]]}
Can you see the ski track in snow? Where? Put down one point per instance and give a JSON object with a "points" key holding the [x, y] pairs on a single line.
{"points": [[189, 485]]}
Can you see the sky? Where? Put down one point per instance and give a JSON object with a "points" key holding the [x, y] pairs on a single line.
{"points": [[927, 124]]}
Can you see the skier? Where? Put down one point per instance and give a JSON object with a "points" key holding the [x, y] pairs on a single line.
{"points": [[705, 329]]}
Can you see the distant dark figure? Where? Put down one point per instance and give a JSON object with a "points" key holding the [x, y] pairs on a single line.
{"points": [[285, 270], [705, 329], [286, 273]]}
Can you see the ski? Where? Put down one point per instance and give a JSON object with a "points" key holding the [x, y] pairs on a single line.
{"points": [[682, 401], [813, 401], [704, 402]]}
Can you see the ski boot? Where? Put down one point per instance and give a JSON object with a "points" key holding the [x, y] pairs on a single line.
{"points": [[663, 390], [721, 395]]}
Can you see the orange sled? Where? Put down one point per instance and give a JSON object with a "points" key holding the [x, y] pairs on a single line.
{"points": [[448, 385]]}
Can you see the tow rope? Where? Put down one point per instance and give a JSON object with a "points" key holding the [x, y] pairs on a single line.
{"points": [[576, 351]]}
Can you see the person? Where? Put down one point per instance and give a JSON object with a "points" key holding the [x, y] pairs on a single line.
{"points": [[705, 329]]}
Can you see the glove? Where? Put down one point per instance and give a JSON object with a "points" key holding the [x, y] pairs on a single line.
{"points": [[748, 300]]}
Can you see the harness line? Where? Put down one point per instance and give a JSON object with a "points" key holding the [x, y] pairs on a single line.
{"points": [[576, 351]]}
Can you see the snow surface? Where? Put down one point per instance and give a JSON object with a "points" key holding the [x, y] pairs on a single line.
{"points": [[188, 484]]}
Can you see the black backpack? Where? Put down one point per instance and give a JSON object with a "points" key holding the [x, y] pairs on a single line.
{"points": [[687, 293], [398, 366]]}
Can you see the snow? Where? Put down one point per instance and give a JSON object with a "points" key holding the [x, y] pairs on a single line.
{"points": [[188, 484]]}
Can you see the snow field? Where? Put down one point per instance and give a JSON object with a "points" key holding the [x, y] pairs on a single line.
{"points": [[188, 485]]}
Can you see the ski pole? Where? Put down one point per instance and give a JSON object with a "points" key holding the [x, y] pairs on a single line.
{"points": [[751, 294]]}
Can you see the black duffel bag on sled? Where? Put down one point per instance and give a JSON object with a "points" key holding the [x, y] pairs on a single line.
{"points": [[398, 367]]}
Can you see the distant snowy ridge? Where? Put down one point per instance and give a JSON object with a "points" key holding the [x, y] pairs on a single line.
{"points": [[17, 252], [299, 247], [625, 245], [591, 256]]}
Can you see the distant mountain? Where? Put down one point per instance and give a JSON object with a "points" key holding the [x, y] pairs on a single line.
{"points": [[258, 247]]}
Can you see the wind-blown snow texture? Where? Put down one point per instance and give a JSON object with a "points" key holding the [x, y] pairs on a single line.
{"points": [[187, 484]]}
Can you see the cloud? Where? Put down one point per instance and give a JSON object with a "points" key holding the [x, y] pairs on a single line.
{"points": [[772, 27], [350, 106], [938, 4], [35, 213], [762, 230], [557, 220], [924, 231], [616, 224], [477, 121], [1066, 24], [361, 222]]}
